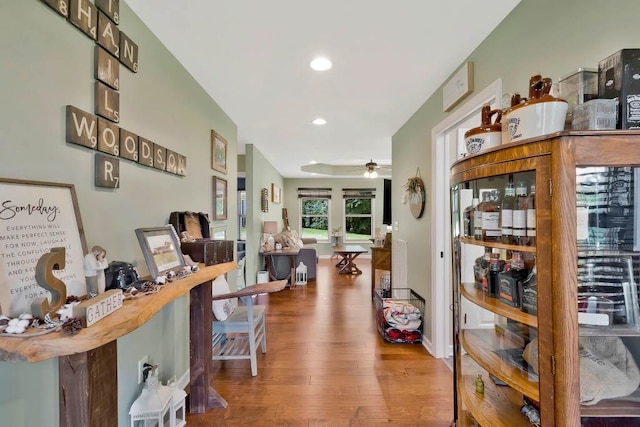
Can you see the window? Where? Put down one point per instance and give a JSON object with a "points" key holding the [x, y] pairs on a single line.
{"points": [[358, 214], [315, 205]]}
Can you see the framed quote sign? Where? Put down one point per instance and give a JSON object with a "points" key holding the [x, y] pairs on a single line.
{"points": [[34, 218]]}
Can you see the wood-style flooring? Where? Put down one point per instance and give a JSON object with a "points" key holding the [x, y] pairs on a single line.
{"points": [[326, 365]]}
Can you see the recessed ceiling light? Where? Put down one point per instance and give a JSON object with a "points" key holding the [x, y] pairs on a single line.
{"points": [[321, 64], [319, 121]]}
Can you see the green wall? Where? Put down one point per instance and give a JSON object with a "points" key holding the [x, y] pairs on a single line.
{"points": [[47, 64], [260, 174], [551, 37]]}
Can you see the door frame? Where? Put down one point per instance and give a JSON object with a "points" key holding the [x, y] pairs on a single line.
{"points": [[442, 325]]}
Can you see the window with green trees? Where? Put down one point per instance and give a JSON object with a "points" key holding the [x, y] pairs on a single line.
{"points": [[314, 217], [358, 218]]}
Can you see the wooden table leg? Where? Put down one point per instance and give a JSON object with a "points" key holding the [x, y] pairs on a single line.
{"points": [[202, 397], [292, 273], [347, 264], [88, 387]]}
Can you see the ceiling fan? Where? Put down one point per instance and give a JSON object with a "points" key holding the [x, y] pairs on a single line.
{"points": [[370, 169]]}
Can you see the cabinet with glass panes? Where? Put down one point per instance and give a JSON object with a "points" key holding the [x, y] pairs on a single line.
{"points": [[546, 265]]}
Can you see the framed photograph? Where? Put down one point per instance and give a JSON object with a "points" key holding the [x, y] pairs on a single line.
{"points": [[161, 249], [219, 233], [219, 198], [218, 152], [264, 200], [458, 87], [36, 217], [276, 193]]}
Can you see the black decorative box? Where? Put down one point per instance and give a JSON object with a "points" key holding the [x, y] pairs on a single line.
{"points": [[619, 77], [209, 252], [193, 230]]}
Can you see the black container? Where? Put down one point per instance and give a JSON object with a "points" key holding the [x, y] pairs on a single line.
{"points": [[495, 268], [619, 77], [529, 296], [510, 286], [120, 275]]}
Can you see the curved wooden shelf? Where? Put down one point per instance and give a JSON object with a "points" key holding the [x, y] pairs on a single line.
{"points": [[498, 245], [481, 345], [499, 406], [478, 297], [131, 316], [612, 408]]}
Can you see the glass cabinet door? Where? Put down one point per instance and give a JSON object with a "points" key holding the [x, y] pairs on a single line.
{"points": [[494, 228], [608, 271]]}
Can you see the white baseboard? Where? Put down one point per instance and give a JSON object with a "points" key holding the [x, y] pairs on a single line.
{"points": [[428, 345], [184, 380]]}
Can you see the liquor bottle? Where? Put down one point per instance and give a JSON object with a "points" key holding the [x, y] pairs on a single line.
{"points": [[481, 270], [477, 217], [496, 265], [479, 384], [469, 213], [520, 215], [531, 216], [529, 296], [510, 281], [506, 213], [491, 218]]}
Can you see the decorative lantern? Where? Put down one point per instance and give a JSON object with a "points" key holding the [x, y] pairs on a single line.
{"points": [[178, 411], [153, 406], [301, 274]]}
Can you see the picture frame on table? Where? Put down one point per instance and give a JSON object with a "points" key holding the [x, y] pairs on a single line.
{"points": [[218, 152], [219, 198], [161, 249], [276, 193], [219, 233], [43, 216]]}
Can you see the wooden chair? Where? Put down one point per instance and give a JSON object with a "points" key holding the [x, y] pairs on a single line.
{"points": [[238, 330]]}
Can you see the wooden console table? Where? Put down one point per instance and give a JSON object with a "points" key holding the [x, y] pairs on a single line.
{"points": [[87, 361], [380, 260], [270, 256]]}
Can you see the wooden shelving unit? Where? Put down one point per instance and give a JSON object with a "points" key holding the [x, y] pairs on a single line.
{"points": [[498, 245], [478, 297], [550, 162], [131, 316], [499, 406], [481, 345]]}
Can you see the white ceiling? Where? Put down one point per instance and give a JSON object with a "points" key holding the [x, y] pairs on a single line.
{"points": [[253, 58]]}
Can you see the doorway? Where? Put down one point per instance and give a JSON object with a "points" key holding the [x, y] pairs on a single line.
{"points": [[448, 146]]}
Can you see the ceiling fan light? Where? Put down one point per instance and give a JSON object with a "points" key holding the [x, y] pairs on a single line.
{"points": [[373, 174], [366, 174]]}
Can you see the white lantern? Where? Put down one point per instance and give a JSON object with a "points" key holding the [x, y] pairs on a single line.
{"points": [[153, 406], [301, 274], [178, 411]]}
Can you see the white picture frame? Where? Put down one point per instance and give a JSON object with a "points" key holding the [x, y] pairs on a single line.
{"points": [[458, 87]]}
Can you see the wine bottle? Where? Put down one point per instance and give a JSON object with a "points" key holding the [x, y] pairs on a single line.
{"points": [[506, 213], [531, 216], [520, 215], [491, 218]]}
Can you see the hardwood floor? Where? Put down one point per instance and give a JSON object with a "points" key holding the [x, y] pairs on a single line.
{"points": [[326, 365]]}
